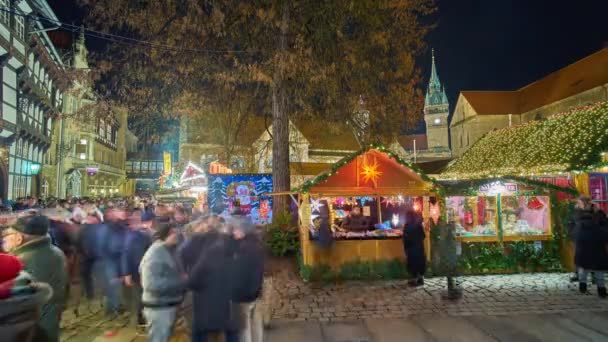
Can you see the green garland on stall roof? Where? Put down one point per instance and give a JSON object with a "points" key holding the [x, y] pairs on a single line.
{"points": [[470, 187], [324, 176]]}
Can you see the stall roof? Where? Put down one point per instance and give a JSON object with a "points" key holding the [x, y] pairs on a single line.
{"points": [[571, 141], [462, 187], [374, 170]]}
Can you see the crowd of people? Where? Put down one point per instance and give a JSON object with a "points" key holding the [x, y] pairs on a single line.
{"points": [[156, 253], [160, 253]]}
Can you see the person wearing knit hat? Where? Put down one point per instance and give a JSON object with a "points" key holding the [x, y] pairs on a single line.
{"points": [[28, 240]]}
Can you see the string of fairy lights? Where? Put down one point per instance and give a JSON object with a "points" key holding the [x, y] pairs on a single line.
{"points": [[575, 141]]}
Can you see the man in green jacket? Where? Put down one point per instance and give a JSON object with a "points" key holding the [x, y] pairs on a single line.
{"points": [[28, 240]]}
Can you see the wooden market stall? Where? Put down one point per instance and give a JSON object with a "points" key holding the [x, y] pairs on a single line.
{"points": [[566, 150], [502, 209], [364, 198]]}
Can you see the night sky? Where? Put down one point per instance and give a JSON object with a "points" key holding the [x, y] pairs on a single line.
{"points": [[494, 44]]}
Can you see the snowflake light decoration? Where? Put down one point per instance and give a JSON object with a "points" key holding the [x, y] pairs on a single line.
{"points": [[388, 201]]}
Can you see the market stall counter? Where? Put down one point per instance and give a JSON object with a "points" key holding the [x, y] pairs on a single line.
{"points": [[359, 206]]}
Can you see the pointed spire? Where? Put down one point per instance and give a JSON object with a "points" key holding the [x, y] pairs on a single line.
{"points": [[81, 37], [80, 55], [435, 93]]}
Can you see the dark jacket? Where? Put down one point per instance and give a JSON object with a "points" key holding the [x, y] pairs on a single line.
{"points": [[136, 244], [413, 243], [61, 236], [103, 241], [46, 263], [591, 240], [248, 269], [211, 281]]}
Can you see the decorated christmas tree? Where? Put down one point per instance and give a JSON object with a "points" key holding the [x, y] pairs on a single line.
{"points": [[217, 194]]}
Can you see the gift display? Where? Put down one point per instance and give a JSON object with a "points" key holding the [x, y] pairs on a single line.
{"points": [[473, 216], [525, 215]]}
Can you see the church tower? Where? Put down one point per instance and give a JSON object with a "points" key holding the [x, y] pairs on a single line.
{"points": [[436, 110]]}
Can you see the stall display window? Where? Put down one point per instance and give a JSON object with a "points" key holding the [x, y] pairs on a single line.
{"points": [[473, 216], [525, 215], [599, 190]]}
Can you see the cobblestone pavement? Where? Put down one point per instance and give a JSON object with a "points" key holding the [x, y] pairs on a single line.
{"points": [[335, 305], [86, 322], [483, 295], [571, 327]]}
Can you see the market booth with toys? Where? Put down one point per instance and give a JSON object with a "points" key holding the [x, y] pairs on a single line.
{"points": [[361, 203]]}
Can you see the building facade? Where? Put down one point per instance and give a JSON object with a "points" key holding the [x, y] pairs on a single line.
{"points": [[479, 112], [33, 82], [89, 144]]}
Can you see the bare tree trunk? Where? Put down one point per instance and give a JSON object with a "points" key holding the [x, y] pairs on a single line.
{"points": [[280, 128]]}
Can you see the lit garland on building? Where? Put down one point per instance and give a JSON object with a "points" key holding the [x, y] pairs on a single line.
{"points": [[569, 142]]}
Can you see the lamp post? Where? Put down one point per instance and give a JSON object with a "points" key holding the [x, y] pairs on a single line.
{"points": [[34, 169]]}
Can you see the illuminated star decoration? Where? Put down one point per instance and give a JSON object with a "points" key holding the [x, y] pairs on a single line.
{"points": [[371, 172], [316, 205]]}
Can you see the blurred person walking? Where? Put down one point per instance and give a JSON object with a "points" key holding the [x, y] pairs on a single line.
{"points": [[28, 240], [162, 282], [138, 240], [248, 273], [210, 277]]}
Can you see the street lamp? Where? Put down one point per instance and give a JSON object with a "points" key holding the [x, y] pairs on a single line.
{"points": [[34, 168]]}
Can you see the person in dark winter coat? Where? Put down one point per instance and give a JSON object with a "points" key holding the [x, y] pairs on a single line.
{"points": [[210, 278], [591, 240], [102, 246], [248, 279], [138, 240], [413, 243], [28, 240]]}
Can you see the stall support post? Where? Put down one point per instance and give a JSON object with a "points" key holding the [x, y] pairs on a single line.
{"points": [[304, 223], [499, 218], [426, 216], [379, 208]]}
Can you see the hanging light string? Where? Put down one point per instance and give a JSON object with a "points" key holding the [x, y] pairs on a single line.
{"points": [[119, 39]]}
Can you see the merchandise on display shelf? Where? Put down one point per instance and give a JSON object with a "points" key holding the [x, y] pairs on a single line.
{"points": [[363, 217], [473, 215], [525, 215]]}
